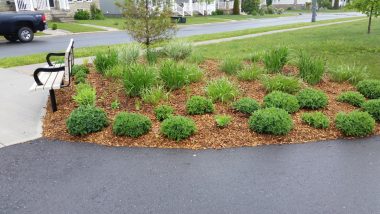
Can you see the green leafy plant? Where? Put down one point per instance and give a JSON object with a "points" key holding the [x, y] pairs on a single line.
{"points": [[369, 88], [351, 97], [355, 124], [178, 127], [222, 120], [82, 15], [373, 108], [163, 112], [154, 95], [231, 65], [311, 69], [80, 77], [282, 83], [282, 100], [131, 124], [249, 73], [176, 75], [222, 90], [54, 26], [348, 73], [312, 99], [275, 59], [105, 60], [246, 105], [178, 49], [95, 12], [85, 95], [316, 119], [273, 121], [129, 53], [79, 68], [85, 120], [138, 78], [115, 104], [199, 105]]}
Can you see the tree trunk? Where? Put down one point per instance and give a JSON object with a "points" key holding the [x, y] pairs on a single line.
{"points": [[370, 20]]}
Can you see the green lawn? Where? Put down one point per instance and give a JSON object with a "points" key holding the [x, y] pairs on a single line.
{"points": [[73, 27], [108, 22], [339, 44]]}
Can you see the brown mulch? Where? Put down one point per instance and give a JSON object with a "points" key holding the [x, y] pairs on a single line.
{"points": [[237, 134]]}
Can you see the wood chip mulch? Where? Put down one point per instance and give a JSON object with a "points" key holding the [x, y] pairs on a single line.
{"points": [[237, 134]]}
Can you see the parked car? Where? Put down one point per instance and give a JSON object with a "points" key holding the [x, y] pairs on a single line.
{"points": [[21, 25]]}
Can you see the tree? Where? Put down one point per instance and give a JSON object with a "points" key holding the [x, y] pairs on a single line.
{"points": [[250, 6], [236, 9], [369, 7], [147, 24]]}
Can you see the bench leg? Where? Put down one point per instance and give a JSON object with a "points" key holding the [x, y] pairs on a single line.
{"points": [[52, 100]]}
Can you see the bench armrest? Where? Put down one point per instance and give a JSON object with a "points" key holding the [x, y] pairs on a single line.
{"points": [[52, 54], [38, 70]]}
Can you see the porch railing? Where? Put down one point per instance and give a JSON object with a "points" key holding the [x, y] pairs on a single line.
{"points": [[32, 5]]}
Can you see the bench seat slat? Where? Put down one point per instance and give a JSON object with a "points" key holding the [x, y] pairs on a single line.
{"points": [[49, 81]]}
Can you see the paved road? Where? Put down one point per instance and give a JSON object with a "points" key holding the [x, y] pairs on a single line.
{"points": [[54, 177], [58, 43]]}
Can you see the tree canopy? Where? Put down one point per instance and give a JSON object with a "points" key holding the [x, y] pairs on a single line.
{"points": [[369, 7]]}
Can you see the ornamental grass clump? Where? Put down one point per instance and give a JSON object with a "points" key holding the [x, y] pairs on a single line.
{"points": [[128, 54], [178, 128], [316, 119], [222, 90], [246, 105], [85, 95], [231, 65], [256, 57], [311, 69], [351, 97], [154, 95], [105, 60], [131, 124], [163, 112], [348, 73], [138, 78], [369, 88], [282, 83], [176, 75], [85, 120], [178, 49], [115, 72], [312, 99], [249, 73], [222, 120], [273, 121], [199, 105], [282, 100], [355, 124], [275, 59], [373, 108], [79, 68]]}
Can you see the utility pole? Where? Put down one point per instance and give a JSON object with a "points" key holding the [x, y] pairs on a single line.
{"points": [[314, 10]]}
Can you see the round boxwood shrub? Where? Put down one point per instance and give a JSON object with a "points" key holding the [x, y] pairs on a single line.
{"points": [[199, 105], [312, 99], [351, 97], [246, 105], [271, 121], [369, 88], [178, 127], [131, 124], [163, 112], [373, 108], [282, 100], [355, 124], [85, 120]]}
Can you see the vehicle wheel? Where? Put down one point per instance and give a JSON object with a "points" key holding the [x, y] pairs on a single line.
{"points": [[11, 38], [25, 34]]}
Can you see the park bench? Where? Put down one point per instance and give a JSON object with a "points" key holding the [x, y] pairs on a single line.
{"points": [[54, 76]]}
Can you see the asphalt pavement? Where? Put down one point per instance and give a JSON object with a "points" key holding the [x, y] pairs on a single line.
{"points": [[54, 177], [59, 43]]}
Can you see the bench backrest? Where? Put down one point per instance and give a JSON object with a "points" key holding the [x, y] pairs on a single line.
{"points": [[69, 60]]}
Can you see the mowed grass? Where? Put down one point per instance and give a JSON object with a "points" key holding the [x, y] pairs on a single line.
{"points": [[346, 43], [118, 23], [73, 27]]}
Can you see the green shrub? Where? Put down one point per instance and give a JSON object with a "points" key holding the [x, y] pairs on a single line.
{"points": [[373, 108], [282, 100], [222, 120], [271, 121], [82, 15], [312, 99], [351, 97], [355, 124], [275, 59], [246, 105], [85, 95], [154, 95], [85, 120], [129, 53], [163, 112], [175, 75], [311, 69], [178, 127], [105, 60], [178, 49], [352, 74], [231, 65], [79, 68], [282, 83], [80, 77], [222, 90], [199, 105], [369, 88], [316, 119], [249, 74], [115, 72], [96, 13], [131, 124], [139, 77], [54, 26], [115, 104]]}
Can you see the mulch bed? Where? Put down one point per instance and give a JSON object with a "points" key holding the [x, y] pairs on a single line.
{"points": [[237, 134]]}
